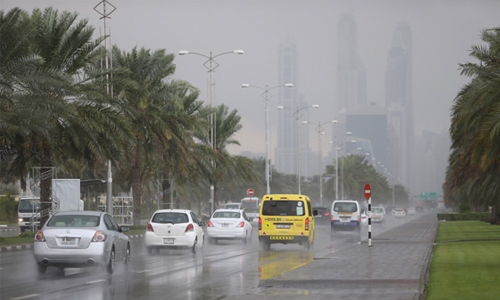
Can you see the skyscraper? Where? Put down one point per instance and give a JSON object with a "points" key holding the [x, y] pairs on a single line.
{"points": [[398, 89]]}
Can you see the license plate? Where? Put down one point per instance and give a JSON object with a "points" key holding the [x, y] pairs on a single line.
{"points": [[283, 226], [68, 241], [168, 241], [224, 225]]}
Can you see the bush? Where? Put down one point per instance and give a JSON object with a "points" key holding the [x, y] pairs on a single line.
{"points": [[467, 216], [8, 211], [27, 234]]}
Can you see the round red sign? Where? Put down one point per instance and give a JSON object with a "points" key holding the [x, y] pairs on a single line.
{"points": [[368, 191], [250, 192]]}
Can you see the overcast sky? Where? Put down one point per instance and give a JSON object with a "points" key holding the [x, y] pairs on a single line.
{"points": [[443, 33]]}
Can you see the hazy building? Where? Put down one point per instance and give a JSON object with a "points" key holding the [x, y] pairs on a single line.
{"points": [[368, 125], [351, 72], [398, 89], [289, 128]]}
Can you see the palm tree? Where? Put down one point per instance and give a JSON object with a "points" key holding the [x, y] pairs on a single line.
{"points": [[72, 117], [163, 113], [475, 130]]}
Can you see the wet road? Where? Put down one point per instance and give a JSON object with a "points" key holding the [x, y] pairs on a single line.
{"points": [[227, 270]]}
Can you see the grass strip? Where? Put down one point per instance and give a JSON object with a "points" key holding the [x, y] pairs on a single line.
{"points": [[465, 262]]}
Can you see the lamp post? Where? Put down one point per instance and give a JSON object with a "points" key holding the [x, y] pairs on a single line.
{"points": [[211, 64], [319, 130], [297, 116], [267, 97]]}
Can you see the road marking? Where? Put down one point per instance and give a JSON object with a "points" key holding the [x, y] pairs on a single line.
{"points": [[26, 297], [96, 281]]}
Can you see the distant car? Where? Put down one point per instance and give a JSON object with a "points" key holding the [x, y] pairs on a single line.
{"points": [[323, 215], [411, 211], [74, 239], [378, 214], [399, 212], [174, 229], [229, 224]]}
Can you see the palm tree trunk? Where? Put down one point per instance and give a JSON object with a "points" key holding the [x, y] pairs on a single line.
{"points": [[136, 192], [45, 183]]}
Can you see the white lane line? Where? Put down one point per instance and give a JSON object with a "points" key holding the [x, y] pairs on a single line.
{"points": [[96, 281], [26, 297]]}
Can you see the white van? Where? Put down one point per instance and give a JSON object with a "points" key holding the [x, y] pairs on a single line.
{"points": [[345, 214]]}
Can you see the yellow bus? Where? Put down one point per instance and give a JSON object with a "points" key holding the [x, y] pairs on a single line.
{"points": [[286, 219]]}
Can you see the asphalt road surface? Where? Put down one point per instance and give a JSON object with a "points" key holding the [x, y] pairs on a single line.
{"points": [[224, 270]]}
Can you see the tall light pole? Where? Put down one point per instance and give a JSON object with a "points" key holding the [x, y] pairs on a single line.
{"points": [[105, 14], [297, 116], [267, 97], [211, 64], [319, 130]]}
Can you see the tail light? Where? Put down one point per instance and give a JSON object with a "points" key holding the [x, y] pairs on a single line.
{"points": [[307, 224], [39, 236], [189, 228], [210, 224], [327, 214], [150, 228], [260, 223], [99, 236], [241, 225]]}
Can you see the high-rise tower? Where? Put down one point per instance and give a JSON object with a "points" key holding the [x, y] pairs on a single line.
{"points": [[398, 101]]}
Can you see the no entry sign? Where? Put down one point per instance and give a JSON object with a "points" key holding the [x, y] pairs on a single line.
{"points": [[250, 192], [368, 191]]}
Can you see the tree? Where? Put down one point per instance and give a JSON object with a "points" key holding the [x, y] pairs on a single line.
{"points": [[475, 130]]}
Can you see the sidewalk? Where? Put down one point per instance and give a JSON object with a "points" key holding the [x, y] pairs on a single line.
{"points": [[395, 267]]}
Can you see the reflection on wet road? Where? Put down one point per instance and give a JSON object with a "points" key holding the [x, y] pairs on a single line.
{"points": [[224, 270]]}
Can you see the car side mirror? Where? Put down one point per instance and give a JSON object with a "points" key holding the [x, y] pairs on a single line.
{"points": [[202, 223], [315, 212], [124, 229]]}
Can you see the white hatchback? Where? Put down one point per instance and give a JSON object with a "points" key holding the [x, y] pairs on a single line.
{"points": [[229, 224], [174, 229]]}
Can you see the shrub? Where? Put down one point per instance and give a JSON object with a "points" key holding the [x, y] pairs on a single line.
{"points": [[8, 211]]}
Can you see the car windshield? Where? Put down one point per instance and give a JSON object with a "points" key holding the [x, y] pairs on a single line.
{"points": [[227, 214], [73, 221], [345, 207], [283, 208], [378, 210], [170, 217]]}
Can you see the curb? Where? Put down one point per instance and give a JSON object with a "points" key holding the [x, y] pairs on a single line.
{"points": [[7, 248]]}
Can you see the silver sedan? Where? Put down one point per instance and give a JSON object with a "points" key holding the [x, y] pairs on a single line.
{"points": [[81, 239]]}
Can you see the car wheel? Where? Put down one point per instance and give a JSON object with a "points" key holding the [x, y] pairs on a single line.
{"points": [[150, 250], [127, 255], [193, 249], [111, 263], [245, 239], [41, 268]]}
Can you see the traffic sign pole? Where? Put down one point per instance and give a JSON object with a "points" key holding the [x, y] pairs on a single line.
{"points": [[368, 196]]}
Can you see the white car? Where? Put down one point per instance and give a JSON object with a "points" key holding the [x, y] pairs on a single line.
{"points": [[399, 212], [229, 224], [378, 214], [174, 229], [75, 239], [411, 211]]}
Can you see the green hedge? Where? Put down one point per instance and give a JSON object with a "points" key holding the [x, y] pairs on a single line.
{"points": [[482, 216]]}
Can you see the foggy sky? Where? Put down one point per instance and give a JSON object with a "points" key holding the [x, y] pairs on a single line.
{"points": [[443, 33]]}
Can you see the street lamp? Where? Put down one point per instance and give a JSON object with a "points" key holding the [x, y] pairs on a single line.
{"points": [[267, 97], [297, 116], [319, 130], [211, 64]]}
